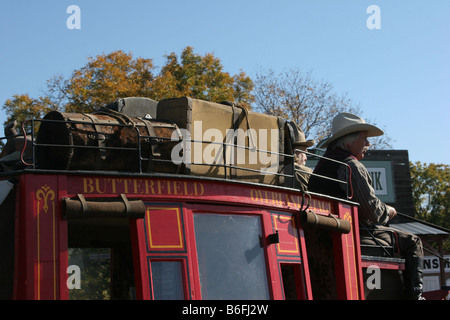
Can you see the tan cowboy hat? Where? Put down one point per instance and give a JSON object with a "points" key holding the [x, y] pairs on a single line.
{"points": [[300, 140], [345, 123], [297, 136]]}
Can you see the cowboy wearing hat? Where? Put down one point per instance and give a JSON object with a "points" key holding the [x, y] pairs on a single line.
{"points": [[299, 147], [348, 144]]}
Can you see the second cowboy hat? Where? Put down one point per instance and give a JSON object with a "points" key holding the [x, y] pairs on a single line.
{"points": [[301, 141], [346, 123], [298, 136]]}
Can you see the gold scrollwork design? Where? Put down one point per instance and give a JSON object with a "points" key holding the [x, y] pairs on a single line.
{"points": [[45, 193], [348, 217]]}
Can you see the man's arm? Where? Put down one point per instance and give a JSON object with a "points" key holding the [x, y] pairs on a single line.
{"points": [[371, 208]]}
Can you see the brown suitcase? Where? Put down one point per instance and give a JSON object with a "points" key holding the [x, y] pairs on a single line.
{"points": [[104, 141], [215, 124]]}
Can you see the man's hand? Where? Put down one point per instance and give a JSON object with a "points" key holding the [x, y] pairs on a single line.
{"points": [[392, 212]]}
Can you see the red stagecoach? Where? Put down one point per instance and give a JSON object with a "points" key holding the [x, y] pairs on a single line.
{"points": [[95, 207]]}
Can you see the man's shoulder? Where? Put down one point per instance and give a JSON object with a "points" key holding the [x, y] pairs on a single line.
{"points": [[353, 161], [356, 166]]}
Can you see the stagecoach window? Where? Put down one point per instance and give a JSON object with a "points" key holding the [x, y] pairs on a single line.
{"points": [[167, 280], [230, 258], [100, 259]]}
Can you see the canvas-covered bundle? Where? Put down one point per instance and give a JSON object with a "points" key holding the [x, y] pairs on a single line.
{"points": [[227, 141]]}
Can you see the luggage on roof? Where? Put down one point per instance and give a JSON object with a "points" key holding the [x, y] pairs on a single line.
{"points": [[106, 141], [139, 107], [248, 143]]}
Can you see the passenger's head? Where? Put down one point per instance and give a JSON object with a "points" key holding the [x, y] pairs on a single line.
{"points": [[299, 156], [300, 144]]}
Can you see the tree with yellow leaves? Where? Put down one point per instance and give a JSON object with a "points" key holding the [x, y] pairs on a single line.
{"points": [[108, 77], [22, 107], [202, 78]]}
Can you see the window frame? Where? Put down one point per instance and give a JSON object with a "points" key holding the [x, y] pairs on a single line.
{"points": [[266, 228]]}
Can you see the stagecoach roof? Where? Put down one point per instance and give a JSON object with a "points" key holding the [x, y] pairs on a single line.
{"points": [[419, 228]]}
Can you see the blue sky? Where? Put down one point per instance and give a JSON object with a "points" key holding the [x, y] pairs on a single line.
{"points": [[399, 74]]}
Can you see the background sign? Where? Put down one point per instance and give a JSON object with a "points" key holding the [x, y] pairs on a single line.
{"points": [[431, 264], [382, 178]]}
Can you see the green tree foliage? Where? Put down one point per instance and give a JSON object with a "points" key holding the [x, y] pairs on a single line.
{"points": [[431, 196]]}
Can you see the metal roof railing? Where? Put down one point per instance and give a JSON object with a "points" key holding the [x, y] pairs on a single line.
{"points": [[29, 160]]}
